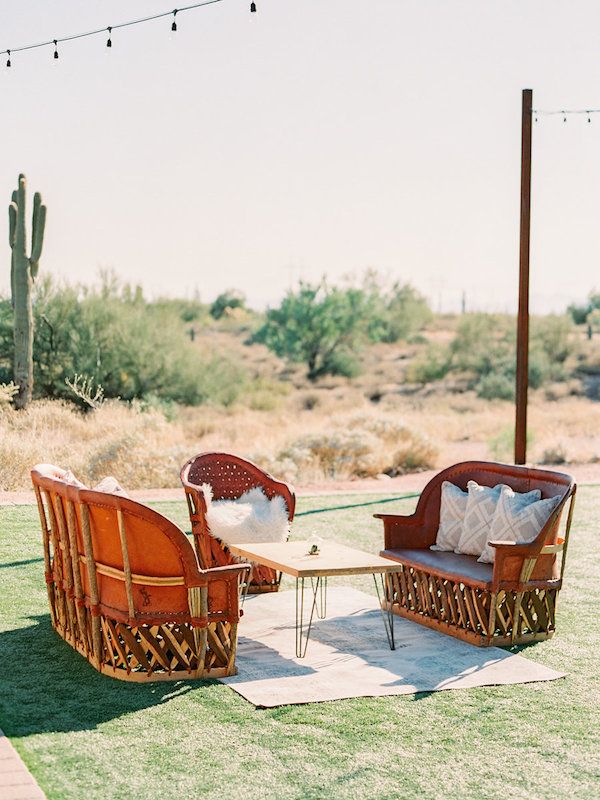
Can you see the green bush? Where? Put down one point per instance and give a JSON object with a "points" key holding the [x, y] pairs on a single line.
{"points": [[484, 352], [325, 326], [396, 312], [227, 301], [579, 314], [432, 365], [132, 347], [496, 386], [319, 325]]}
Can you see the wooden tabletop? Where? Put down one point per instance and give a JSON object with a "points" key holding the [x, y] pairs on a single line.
{"points": [[293, 559]]}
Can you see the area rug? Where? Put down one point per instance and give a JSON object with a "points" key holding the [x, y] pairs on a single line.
{"points": [[348, 655]]}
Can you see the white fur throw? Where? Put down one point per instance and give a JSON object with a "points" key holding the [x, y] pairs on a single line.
{"points": [[250, 518]]}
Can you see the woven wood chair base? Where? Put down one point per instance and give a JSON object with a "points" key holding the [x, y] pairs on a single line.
{"points": [[478, 616], [262, 588], [149, 652]]}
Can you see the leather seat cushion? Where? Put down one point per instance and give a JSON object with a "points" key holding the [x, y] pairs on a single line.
{"points": [[454, 566]]}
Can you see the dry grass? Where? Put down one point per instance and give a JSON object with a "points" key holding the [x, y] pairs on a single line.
{"points": [[331, 431], [302, 432]]}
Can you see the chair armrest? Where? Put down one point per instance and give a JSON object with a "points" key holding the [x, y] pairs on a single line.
{"points": [[228, 571], [404, 532], [514, 563]]}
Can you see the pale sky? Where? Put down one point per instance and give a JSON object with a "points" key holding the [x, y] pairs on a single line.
{"points": [[316, 136]]}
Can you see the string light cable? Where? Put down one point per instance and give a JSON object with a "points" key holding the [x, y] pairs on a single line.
{"points": [[54, 42], [540, 112]]}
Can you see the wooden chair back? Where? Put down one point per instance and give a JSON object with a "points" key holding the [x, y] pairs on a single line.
{"points": [[113, 555], [520, 479], [230, 476]]}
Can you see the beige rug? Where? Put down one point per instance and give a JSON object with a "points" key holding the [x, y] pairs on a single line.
{"points": [[348, 655]]}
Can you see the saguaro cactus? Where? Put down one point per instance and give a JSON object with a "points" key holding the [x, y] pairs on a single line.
{"points": [[23, 272]]}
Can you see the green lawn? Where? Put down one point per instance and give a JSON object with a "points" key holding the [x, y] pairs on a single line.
{"points": [[88, 736]]}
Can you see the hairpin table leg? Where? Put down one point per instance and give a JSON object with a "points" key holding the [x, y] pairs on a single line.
{"points": [[386, 608], [302, 628]]}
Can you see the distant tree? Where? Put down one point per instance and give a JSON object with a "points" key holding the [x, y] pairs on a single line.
{"points": [[227, 301], [319, 325], [580, 314], [395, 312], [593, 322]]}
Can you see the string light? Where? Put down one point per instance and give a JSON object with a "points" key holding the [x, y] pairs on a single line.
{"points": [[60, 39], [565, 113]]}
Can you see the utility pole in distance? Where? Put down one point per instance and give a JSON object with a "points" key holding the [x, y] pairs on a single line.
{"points": [[523, 314]]}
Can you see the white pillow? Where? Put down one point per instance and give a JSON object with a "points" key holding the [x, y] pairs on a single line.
{"points": [[69, 478], [110, 485], [481, 507], [453, 504], [250, 518], [517, 520]]}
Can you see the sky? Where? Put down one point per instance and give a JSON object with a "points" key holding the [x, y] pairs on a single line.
{"points": [[313, 137]]}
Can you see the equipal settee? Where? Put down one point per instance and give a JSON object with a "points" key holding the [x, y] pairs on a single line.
{"points": [[513, 600], [125, 588]]}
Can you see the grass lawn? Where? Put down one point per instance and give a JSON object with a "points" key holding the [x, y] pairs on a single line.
{"points": [[88, 736]]}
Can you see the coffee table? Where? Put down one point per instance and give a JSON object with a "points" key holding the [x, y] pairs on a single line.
{"points": [[333, 560]]}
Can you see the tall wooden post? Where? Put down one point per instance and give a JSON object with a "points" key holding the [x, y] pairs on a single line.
{"points": [[523, 314]]}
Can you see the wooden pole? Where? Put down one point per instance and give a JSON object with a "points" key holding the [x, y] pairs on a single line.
{"points": [[523, 314]]}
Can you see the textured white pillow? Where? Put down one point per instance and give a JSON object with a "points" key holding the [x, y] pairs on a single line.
{"points": [[453, 504], [517, 520], [250, 518], [69, 478], [110, 485], [481, 507]]}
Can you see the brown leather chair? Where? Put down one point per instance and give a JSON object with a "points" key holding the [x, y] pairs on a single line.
{"points": [[125, 589], [229, 477], [512, 601]]}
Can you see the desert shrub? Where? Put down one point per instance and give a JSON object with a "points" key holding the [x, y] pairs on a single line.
{"points": [[7, 393], [132, 347], [552, 335], [138, 446], [554, 454], [309, 401], [186, 310], [431, 365], [484, 351], [361, 446], [265, 395], [481, 341], [227, 301], [395, 312], [502, 446], [496, 386], [580, 313], [337, 453]]}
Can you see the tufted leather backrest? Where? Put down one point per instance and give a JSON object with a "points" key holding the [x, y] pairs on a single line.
{"points": [[230, 476]]}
